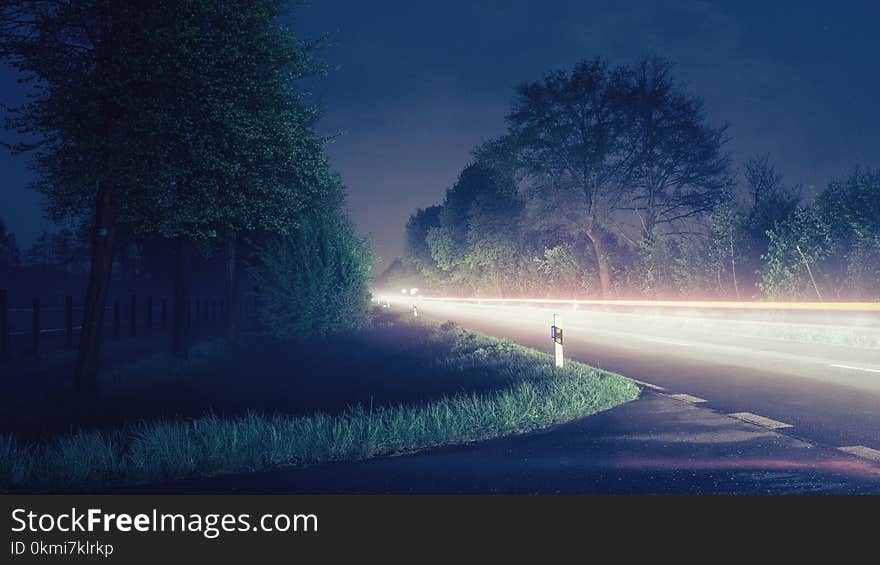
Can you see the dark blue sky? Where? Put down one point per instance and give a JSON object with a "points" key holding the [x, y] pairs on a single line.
{"points": [[420, 83]]}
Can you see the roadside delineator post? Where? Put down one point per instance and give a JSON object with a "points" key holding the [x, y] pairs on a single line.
{"points": [[415, 311], [556, 335]]}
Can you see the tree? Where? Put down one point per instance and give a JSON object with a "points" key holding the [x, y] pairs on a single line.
{"points": [[566, 132], [10, 257], [771, 202], [562, 271], [493, 231], [153, 118], [87, 113], [39, 253], [796, 248], [675, 160], [240, 151], [829, 250], [416, 250], [850, 208], [762, 179], [726, 248], [400, 274], [448, 240]]}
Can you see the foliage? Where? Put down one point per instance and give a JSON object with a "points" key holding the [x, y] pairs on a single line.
{"points": [[10, 255], [564, 272], [416, 248], [837, 241], [313, 281], [591, 154], [674, 158]]}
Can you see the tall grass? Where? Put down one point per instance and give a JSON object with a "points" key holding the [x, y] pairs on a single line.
{"points": [[538, 396]]}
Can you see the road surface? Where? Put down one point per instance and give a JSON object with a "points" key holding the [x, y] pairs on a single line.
{"points": [[818, 377]]}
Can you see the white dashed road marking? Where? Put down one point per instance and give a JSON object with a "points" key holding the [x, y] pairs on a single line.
{"points": [[687, 398], [862, 451], [856, 368], [649, 385], [760, 420], [667, 341]]}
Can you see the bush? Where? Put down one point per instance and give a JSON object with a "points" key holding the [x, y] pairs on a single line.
{"points": [[313, 282]]}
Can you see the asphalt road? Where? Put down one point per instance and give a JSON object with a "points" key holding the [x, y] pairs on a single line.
{"points": [[828, 393]]}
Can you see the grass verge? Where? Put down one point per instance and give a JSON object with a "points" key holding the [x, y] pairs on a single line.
{"points": [[537, 396]]}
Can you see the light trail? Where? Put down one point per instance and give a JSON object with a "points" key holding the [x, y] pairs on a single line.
{"points": [[687, 304], [848, 334], [855, 368]]}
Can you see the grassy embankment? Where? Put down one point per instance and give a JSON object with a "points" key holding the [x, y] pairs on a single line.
{"points": [[526, 393]]}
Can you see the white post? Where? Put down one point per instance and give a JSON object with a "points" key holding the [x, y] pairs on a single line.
{"points": [[557, 321], [415, 311]]}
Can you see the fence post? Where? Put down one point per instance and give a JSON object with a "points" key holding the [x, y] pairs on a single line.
{"points": [[213, 312], [133, 315], [150, 313], [116, 319], [198, 312], [35, 327], [164, 313], [4, 323], [222, 312], [68, 318]]}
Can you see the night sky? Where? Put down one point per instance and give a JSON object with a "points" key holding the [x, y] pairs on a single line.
{"points": [[420, 83]]}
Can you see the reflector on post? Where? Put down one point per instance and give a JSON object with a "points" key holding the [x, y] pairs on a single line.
{"points": [[556, 334]]}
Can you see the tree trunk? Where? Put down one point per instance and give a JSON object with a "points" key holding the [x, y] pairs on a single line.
{"points": [[733, 268], [231, 288], [180, 331], [602, 262], [101, 268]]}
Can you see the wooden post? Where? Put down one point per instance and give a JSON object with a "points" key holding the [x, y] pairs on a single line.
{"points": [[150, 313], [4, 324], [198, 312], [35, 327], [116, 319], [68, 317], [164, 313]]}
